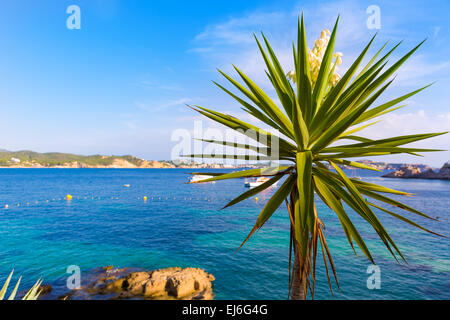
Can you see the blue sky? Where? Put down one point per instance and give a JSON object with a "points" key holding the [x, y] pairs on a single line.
{"points": [[118, 85]]}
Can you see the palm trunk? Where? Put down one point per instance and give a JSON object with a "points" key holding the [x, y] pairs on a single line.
{"points": [[298, 292]]}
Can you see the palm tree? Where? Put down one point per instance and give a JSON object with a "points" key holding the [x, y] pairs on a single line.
{"points": [[320, 113]]}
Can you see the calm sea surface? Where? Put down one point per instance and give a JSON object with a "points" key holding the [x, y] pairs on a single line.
{"points": [[182, 225]]}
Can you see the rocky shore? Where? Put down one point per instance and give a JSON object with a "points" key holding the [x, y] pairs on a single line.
{"points": [[165, 284], [413, 172]]}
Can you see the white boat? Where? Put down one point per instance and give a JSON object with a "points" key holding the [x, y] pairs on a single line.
{"points": [[258, 182], [199, 178]]}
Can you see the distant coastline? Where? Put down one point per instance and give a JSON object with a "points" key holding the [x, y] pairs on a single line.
{"points": [[414, 172], [31, 159], [55, 160]]}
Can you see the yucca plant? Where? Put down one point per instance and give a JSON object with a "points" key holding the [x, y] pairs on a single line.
{"points": [[32, 294], [317, 121]]}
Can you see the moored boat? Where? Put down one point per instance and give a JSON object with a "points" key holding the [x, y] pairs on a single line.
{"points": [[259, 181], [199, 178]]}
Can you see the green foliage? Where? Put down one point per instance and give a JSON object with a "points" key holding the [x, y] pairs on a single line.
{"points": [[27, 158], [32, 294], [311, 119]]}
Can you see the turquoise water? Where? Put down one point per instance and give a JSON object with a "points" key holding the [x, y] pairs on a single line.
{"points": [[181, 225]]}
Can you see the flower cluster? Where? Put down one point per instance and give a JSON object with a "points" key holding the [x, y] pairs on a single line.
{"points": [[315, 57]]}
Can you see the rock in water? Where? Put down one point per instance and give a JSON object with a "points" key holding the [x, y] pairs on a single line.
{"points": [[45, 289], [444, 173], [414, 172], [163, 284]]}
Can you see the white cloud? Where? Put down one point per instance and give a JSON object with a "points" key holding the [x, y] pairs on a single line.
{"points": [[419, 70], [398, 124]]}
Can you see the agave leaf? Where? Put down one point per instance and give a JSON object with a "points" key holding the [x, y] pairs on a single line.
{"points": [[370, 63], [233, 157], [342, 108], [5, 285], [262, 117], [246, 174], [390, 142], [272, 205], [332, 202], [304, 97], [14, 292], [368, 151], [369, 73], [375, 112], [263, 150], [382, 78], [251, 109], [336, 92], [278, 68], [249, 130], [371, 70], [287, 95], [339, 127], [34, 292], [256, 190], [365, 211], [404, 219], [350, 132], [354, 200], [304, 185], [241, 88], [301, 132], [366, 191], [355, 164], [270, 107], [355, 138], [359, 183], [284, 95], [379, 114]]}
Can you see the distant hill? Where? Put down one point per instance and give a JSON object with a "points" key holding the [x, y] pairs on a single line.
{"points": [[31, 159], [28, 158]]}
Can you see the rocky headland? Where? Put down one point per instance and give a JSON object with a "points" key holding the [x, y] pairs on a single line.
{"points": [[414, 172], [31, 159]]}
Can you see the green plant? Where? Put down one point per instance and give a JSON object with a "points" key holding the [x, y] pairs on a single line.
{"points": [[32, 294], [320, 112]]}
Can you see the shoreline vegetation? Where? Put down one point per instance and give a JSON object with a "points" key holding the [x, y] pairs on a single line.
{"points": [[31, 159]]}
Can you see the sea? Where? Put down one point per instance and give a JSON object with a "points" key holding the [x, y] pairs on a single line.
{"points": [[43, 235]]}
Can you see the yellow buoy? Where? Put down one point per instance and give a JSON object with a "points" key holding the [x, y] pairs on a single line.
{"points": [[256, 199], [69, 197], [145, 198]]}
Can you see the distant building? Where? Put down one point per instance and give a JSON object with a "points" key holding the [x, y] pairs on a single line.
{"points": [[15, 160]]}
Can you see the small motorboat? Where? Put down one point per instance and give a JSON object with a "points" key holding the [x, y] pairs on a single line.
{"points": [[259, 181], [199, 178]]}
